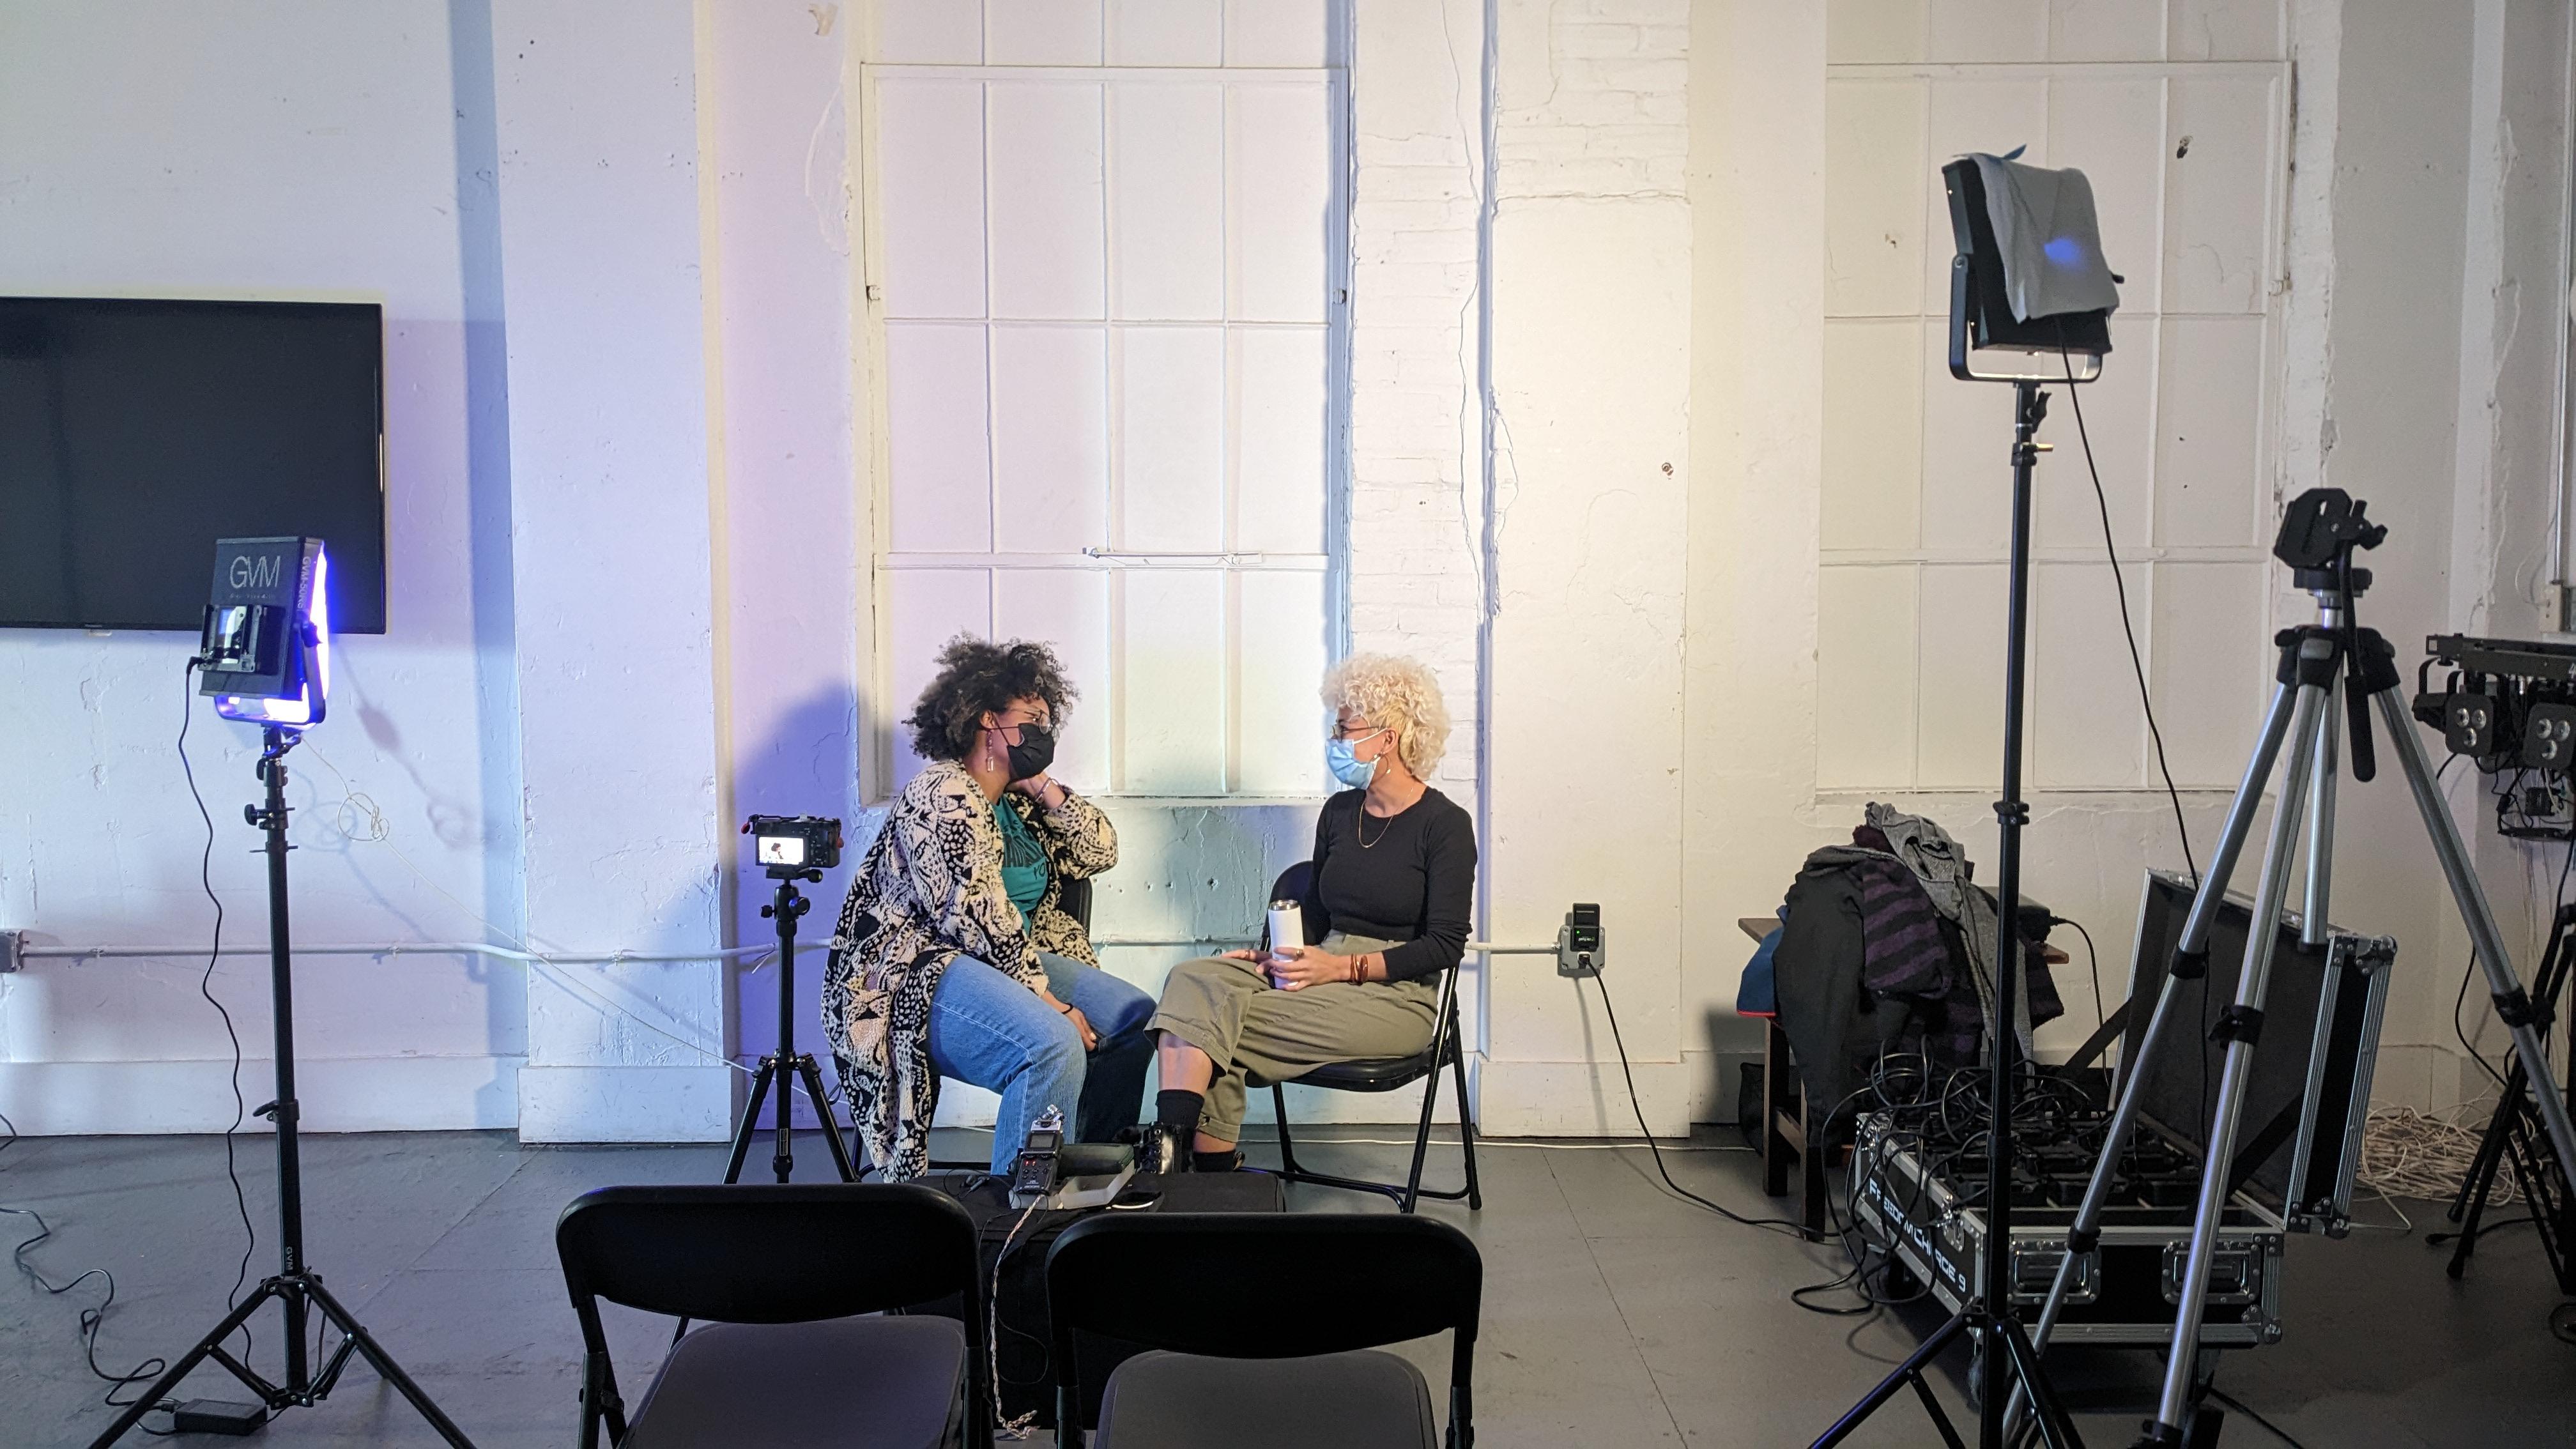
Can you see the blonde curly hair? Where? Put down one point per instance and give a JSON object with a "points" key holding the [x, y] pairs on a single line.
{"points": [[1389, 690]]}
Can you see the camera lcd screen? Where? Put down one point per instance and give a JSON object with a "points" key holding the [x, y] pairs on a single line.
{"points": [[782, 850]]}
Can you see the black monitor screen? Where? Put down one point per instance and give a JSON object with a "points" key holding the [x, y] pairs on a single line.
{"points": [[133, 434], [2181, 1087]]}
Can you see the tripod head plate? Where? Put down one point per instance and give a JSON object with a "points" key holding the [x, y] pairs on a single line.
{"points": [[2321, 528]]}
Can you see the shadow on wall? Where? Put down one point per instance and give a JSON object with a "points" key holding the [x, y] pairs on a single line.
{"points": [[487, 446], [808, 765]]}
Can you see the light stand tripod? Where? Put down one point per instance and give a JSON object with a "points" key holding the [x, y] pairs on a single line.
{"points": [[296, 1287], [785, 1065], [2319, 535], [2000, 1341], [2510, 1136]]}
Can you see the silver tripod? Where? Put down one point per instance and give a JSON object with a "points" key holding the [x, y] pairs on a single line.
{"points": [[2319, 535]]}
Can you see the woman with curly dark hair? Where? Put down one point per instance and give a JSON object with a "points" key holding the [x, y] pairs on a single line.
{"points": [[951, 957]]}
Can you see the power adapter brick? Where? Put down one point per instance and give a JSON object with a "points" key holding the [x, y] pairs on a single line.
{"points": [[217, 1416]]}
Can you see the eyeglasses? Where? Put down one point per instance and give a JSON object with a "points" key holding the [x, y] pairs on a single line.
{"points": [[1344, 732]]}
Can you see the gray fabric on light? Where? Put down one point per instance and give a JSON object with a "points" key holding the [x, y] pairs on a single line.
{"points": [[2033, 210], [1251, 1029]]}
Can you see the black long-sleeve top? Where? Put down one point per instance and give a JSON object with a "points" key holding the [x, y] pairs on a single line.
{"points": [[1410, 877]]}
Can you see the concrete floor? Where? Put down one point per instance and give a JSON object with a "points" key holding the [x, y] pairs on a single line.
{"points": [[1615, 1314]]}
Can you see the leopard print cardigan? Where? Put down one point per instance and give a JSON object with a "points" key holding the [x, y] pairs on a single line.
{"points": [[928, 890]]}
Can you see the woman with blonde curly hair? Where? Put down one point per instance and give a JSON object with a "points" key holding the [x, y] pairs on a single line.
{"points": [[1386, 911]]}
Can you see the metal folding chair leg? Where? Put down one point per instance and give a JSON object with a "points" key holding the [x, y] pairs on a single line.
{"points": [[1412, 1191]]}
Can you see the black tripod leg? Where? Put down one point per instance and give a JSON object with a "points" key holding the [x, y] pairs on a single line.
{"points": [[187, 1363], [813, 1075], [1915, 1362], [2056, 1429], [386, 1368], [1940, 1417], [750, 1119], [2471, 1207]]}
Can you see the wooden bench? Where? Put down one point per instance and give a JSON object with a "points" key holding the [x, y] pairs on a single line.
{"points": [[1784, 1114]]}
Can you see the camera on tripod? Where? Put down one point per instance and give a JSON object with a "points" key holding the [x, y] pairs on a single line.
{"points": [[788, 846]]}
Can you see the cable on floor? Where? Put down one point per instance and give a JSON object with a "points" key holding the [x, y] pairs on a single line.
{"points": [[1776, 1225], [92, 1319]]}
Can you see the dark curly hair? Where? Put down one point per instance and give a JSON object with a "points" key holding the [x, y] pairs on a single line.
{"points": [[977, 675]]}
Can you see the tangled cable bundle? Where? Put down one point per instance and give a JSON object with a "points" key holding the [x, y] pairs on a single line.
{"points": [[2426, 1155]]}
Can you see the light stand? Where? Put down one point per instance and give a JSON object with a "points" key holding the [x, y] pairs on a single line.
{"points": [[295, 1286], [1988, 1316], [2514, 1134], [779, 1065]]}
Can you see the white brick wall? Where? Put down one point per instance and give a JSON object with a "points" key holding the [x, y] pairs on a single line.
{"points": [[1600, 112], [1415, 517]]}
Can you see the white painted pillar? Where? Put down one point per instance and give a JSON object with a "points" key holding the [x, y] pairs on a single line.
{"points": [[1757, 98], [599, 143], [1591, 365]]}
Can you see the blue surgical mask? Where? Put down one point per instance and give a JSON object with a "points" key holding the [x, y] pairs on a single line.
{"points": [[1341, 756]]}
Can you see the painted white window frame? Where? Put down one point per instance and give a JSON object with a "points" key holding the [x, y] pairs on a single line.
{"points": [[881, 711]]}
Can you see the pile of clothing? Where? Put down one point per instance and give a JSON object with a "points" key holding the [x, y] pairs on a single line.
{"points": [[1886, 946]]}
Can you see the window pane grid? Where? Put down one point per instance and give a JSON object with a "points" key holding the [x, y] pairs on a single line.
{"points": [[1122, 421]]}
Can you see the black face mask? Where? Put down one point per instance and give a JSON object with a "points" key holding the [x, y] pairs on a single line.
{"points": [[1035, 751]]}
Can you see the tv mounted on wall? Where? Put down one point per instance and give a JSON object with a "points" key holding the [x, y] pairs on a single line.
{"points": [[133, 434]]}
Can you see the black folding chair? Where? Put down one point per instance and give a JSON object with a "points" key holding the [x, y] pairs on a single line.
{"points": [[1386, 1075], [1273, 1341], [782, 1271]]}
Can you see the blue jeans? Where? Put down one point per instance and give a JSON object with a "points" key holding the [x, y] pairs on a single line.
{"points": [[989, 1030]]}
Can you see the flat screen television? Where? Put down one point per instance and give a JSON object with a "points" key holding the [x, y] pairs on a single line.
{"points": [[133, 434]]}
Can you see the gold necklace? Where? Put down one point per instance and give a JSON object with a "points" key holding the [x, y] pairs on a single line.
{"points": [[1361, 820]]}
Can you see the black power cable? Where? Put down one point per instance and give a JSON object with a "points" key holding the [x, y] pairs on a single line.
{"points": [[2093, 960], [92, 1319], [2137, 666], [205, 988], [1775, 1225], [2128, 630]]}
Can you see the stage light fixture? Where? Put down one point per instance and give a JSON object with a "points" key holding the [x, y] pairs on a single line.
{"points": [[2030, 296], [265, 653]]}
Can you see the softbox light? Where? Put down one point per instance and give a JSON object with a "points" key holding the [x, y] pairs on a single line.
{"points": [[266, 651]]}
